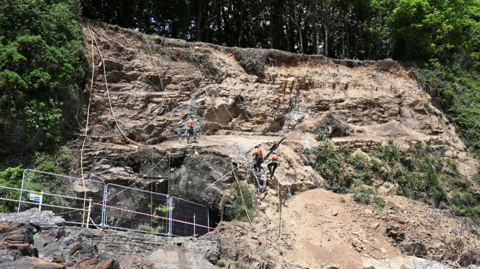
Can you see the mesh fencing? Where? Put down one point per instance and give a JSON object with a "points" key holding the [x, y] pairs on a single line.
{"points": [[68, 197], [80, 201], [134, 209], [189, 218]]}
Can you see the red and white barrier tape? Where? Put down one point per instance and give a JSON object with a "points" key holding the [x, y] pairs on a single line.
{"points": [[154, 216], [94, 224], [212, 232]]}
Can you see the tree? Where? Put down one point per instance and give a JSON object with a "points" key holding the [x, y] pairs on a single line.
{"points": [[42, 60]]}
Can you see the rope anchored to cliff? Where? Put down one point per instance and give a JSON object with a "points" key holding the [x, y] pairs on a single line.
{"points": [[106, 86]]}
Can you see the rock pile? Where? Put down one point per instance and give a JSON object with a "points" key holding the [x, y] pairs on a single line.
{"points": [[34, 239]]}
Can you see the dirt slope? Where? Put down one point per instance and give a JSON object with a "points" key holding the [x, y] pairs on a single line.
{"points": [[320, 229]]}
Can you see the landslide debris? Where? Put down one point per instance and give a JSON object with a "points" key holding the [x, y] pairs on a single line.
{"points": [[320, 229]]}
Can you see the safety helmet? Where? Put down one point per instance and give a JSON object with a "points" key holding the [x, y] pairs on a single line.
{"points": [[256, 146], [274, 152]]}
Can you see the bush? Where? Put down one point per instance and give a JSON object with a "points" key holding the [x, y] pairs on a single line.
{"points": [[10, 177], [362, 168], [252, 60], [331, 165], [455, 90], [363, 195], [325, 131], [42, 61], [240, 210]]}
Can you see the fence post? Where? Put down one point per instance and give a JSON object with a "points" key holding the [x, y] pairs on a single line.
{"points": [[104, 206], [40, 203], [194, 224], [208, 220], [170, 215], [89, 210], [21, 191]]}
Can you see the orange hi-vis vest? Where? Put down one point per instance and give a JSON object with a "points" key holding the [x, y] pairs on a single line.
{"points": [[274, 157], [190, 123], [258, 152]]}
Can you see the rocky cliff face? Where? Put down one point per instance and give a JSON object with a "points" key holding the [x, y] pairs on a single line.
{"points": [[145, 87]]}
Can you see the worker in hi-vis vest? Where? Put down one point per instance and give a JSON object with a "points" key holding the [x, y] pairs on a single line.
{"points": [[191, 131], [258, 158], [273, 163]]}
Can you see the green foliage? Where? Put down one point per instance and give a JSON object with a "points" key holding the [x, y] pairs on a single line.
{"points": [[325, 131], [239, 266], [367, 196], [363, 195], [10, 177], [241, 210], [59, 163], [362, 168], [42, 60], [457, 92], [331, 165], [408, 30], [420, 172], [145, 227]]}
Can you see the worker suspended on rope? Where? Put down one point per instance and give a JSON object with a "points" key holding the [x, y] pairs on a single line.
{"points": [[191, 131], [257, 158], [273, 163]]}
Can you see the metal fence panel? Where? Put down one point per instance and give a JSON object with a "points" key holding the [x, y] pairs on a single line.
{"points": [[66, 196], [189, 218], [109, 206], [9, 198], [137, 210]]}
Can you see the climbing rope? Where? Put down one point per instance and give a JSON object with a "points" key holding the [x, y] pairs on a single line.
{"points": [[280, 211], [169, 152], [86, 134], [225, 175], [108, 91], [202, 76], [122, 55], [245, 206], [154, 64], [164, 157]]}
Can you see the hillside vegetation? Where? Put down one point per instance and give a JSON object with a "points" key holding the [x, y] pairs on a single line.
{"points": [[42, 67]]}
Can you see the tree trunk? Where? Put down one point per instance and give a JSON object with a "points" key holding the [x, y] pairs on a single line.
{"points": [[295, 18], [326, 40], [240, 30], [198, 24]]}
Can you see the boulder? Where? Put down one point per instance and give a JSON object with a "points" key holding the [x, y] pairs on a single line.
{"points": [[31, 262], [472, 257]]}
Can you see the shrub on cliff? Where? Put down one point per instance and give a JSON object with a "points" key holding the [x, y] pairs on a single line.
{"points": [[10, 177], [42, 62]]}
